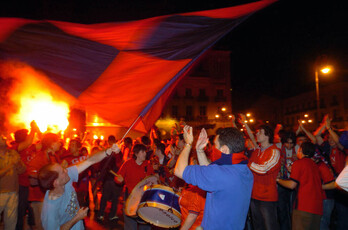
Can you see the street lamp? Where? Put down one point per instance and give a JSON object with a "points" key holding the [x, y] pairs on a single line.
{"points": [[324, 70]]}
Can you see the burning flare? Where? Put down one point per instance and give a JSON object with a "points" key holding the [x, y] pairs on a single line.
{"points": [[49, 115]]}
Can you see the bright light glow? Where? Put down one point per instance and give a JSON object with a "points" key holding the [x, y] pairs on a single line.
{"points": [[248, 114], [310, 121], [50, 115], [326, 70], [241, 130], [75, 135], [223, 109], [267, 121], [217, 115], [246, 121], [251, 120], [95, 137], [230, 116], [306, 115], [101, 137], [74, 129], [303, 121], [145, 187]]}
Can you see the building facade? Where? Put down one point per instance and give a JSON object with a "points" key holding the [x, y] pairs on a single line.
{"points": [[333, 101], [203, 98]]}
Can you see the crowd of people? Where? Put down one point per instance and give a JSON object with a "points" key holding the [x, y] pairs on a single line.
{"points": [[257, 179]]}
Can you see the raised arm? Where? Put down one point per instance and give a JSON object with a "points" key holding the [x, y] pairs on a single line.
{"points": [[320, 130], [29, 140], [182, 161], [233, 121], [95, 158], [308, 134], [200, 145], [242, 120], [333, 134]]}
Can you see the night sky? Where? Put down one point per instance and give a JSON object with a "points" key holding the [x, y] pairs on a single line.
{"points": [[274, 52]]}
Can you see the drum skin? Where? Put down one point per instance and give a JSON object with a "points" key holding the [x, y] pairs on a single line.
{"points": [[159, 206], [132, 202]]}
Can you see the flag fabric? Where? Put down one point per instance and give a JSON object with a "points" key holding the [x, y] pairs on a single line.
{"points": [[122, 70]]}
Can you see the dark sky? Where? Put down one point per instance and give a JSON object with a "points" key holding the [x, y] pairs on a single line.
{"points": [[273, 52]]}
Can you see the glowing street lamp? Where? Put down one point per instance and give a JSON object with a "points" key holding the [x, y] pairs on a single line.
{"points": [[310, 121], [251, 120], [223, 109], [324, 70], [306, 115], [248, 114], [217, 115]]}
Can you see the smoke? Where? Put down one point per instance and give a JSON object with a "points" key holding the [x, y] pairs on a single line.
{"points": [[17, 81]]}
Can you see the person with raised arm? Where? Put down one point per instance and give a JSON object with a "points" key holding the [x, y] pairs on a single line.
{"points": [[228, 184], [61, 209], [265, 166]]}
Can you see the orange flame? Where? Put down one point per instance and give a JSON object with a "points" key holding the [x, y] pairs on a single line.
{"points": [[49, 115], [36, 96]]}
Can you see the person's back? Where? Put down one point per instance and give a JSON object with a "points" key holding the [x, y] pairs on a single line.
{"points": [[229, 191], [309, 196]]}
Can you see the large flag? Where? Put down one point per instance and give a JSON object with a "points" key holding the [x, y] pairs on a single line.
{"points": [[120, 71]]}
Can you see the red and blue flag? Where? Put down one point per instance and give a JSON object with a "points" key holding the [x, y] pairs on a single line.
{"points": [[124, 70]]}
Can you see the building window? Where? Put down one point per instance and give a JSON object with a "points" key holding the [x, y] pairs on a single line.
{"points": [[175, 111], [334, 100], [219, 93], [189, 113], [202, 92], [188, 93], [203, 110]]}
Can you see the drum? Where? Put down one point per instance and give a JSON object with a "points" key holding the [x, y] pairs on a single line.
{"points": [[134, 198], [160, 206]]}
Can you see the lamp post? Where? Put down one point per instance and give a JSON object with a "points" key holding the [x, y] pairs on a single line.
{"points": [[325, 70]]}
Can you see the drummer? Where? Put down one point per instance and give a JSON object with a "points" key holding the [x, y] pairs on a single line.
{"points": [[131, 173]]}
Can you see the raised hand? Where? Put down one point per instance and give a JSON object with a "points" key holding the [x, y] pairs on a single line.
{"points": [[188, 134], [202, 140], [242, 119]]}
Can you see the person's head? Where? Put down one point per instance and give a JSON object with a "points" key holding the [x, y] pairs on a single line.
{"points": [[128, 141], [307, 149], [52, 176], [145, 140], [74, 146], [265, 134], [230, 140], [180, 142], [20, 135], [84, 151], [289, 140], [301, 138], [332, 142], [159, 149], [111, 140], [50, 141], [139, 152]]}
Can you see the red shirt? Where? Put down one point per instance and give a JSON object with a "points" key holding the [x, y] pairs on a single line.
{"points": [[192, 200], [265, 166], [26, 156], [338, 160], [133, 173], [40, 160], [326, 175], [310, 193]]}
